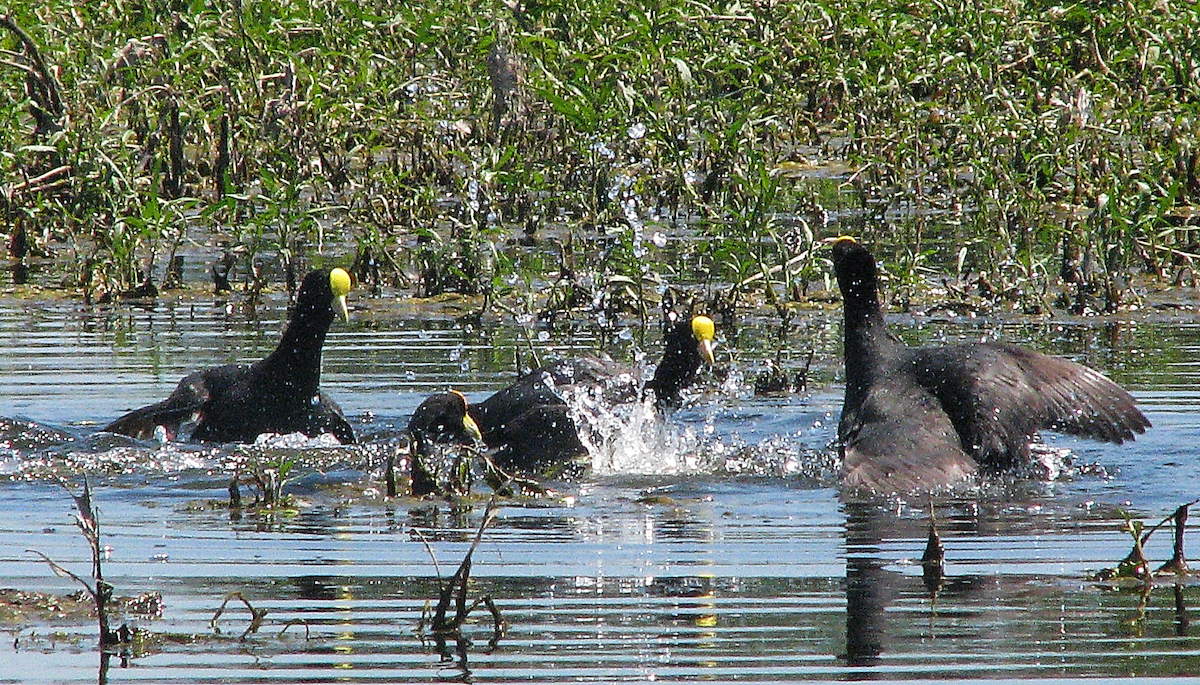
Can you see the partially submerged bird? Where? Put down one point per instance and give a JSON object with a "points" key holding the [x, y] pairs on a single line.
{"points": [[443, 418], [279, 394], [922, 419], [530, 423]]}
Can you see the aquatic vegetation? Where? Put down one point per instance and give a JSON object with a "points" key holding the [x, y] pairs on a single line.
{"points": [[440, 621], [113, 640], [267, 472], [590, 154], [256, 615], [1135, 565], [1134, 573]]}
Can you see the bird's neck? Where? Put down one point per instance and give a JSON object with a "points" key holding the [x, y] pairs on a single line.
{"points": [[677, 370], [298, 356], [867, 341]]}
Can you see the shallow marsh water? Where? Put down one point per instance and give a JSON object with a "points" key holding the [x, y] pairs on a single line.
{"points": [[714, 549]]}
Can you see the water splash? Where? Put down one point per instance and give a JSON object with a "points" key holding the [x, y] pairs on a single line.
{"points": [[634, 438], [295, 441]]}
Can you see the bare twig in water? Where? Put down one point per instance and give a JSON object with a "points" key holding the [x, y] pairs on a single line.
{"points": [[235, 494], [256, 615], [99, 590], [297, 622], [506, 484], [1178, 564]]}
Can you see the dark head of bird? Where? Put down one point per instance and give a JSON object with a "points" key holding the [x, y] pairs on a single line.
{"points": [[322, 295], [298, 356], [686, 345], [443, 418], [868, 342], [857, 278]]}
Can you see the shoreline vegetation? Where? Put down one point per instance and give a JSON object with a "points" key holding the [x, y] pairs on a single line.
{"points": [[606, 157]]}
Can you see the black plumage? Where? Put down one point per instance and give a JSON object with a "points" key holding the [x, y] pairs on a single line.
{"points": [[919, 419], [443, 418], [530, 424], [278, 394]]}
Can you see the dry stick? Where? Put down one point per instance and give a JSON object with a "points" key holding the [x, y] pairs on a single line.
{"points": [[446, 594], [297, 622], [933, 561], [89, 525], [235, 493], [461, 576], [1146, 535], [802, 377], [1178, 563], [502, 481], [100, 592], [41, 182], [1169, 250], [256, 615]]}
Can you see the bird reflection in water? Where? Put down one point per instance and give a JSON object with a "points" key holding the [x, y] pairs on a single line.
{"points": [[871, 587]]}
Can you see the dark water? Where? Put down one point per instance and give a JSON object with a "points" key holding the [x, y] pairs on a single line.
{"points": [[713, 549]]}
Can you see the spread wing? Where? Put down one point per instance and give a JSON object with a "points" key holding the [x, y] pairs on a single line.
{"points": [[900, 440], [550, 384], [327, 417], [1000, 396], [185, 404]]}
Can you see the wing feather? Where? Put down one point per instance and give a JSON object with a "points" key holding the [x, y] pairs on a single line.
{"points": [[1000, 396]]}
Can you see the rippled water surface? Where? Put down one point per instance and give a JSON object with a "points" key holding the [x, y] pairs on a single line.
{"points": [[714, 548]]}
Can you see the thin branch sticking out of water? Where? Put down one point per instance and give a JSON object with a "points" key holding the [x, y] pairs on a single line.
{"points": [[99, 590], [455, 591], [256, 615]]}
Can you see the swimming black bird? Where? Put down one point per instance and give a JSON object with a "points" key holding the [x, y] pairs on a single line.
{"points": [[530, 424], [920, 419], [443, 418], [279, 394]]}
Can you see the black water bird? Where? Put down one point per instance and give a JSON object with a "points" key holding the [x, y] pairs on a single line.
{"points": [[530, 423], [278, 394], [921, 419], [443, 418]]}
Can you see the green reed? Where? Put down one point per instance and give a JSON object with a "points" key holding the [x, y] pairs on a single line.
{"points": [[1028, 149]]}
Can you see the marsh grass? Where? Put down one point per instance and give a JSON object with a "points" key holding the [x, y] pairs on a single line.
{"points": [[587, 155]]}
